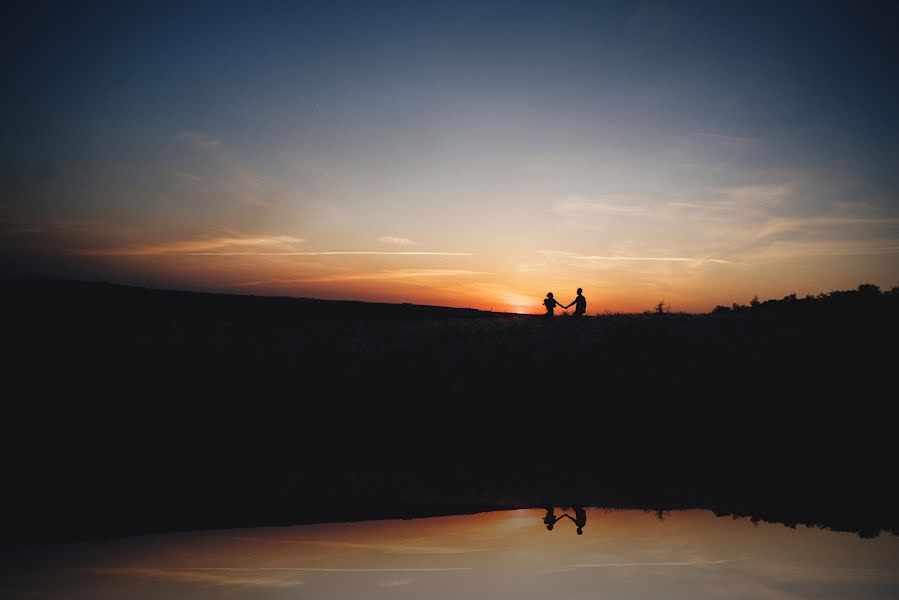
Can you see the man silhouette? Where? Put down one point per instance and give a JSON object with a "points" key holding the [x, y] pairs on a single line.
{"points": [[580, 519], [580, 304]]}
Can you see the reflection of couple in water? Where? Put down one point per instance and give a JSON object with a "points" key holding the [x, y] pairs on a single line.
{"points": [[580, 304], [579, 519]]}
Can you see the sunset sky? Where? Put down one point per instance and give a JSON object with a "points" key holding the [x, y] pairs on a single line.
{"points": [[689, 555], [458, 154]]}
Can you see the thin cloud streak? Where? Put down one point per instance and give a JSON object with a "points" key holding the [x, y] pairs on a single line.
{"points": [[198, 138], [689, 259], [734, 139], [195, 247], [395, 241], [314, 569], [758, 194], [780, 225], [691, 563], [702, 206], [217, 577], [386, 548], [207, 248], [370, 570], [657, 259], [398, 274], [333, 253], [577, 206], [779, 250], [246, 576]]}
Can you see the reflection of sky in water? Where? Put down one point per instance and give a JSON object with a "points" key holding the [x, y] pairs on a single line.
{"points": [[626, 554]]}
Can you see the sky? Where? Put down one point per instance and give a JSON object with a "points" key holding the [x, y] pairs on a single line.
{"points": [[457, 154], [690, 555]]}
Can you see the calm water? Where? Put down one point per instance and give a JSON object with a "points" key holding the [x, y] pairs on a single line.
{"points": [[621, 554]]}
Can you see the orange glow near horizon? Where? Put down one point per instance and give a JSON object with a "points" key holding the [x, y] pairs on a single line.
{"points": [[466, 281], [507, 554], [510, 277], [452, 279]]}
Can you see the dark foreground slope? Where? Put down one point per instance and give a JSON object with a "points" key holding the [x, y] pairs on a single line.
{"points": [[130, 410]]}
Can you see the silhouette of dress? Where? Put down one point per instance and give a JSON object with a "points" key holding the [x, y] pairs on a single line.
{"points": [[550, 519], [550, 303]]}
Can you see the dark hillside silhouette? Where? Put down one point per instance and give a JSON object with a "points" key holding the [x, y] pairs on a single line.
{"points": [[867, 295], [129, 410], [49, 301]]}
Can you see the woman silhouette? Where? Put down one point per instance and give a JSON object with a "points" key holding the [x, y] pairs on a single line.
{"points": [[550, 519], [550, 303]]}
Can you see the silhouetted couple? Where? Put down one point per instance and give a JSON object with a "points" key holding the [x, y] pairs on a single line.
{"points": [[580, 304], [579, 519]]}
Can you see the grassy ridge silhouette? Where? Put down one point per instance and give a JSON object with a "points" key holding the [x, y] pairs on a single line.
{"points": [[137, 410]]}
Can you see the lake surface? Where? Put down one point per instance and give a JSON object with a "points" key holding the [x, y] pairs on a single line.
{"points": [[510, 554]]}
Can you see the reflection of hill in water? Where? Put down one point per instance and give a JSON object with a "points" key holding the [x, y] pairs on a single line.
{"points": [[135, 409]]}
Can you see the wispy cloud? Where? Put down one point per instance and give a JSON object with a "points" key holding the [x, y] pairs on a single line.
{"points": [[686, 259], [208, 577], [382, 569], [556, 253], [395, 241], [398, 274], [368, 569], [742, 201], [260, 577], [688, 563], [198, 139], [728, 139], [242, 575], [763, 222], [754, 194], [329, 253], [781, 249], [203, 246], [415, 549], [385, 275], [689, 259], [702, 205], [183, 175], [577, 206], [282, 245], [237, 245], [778, 225], [772, 238]]}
